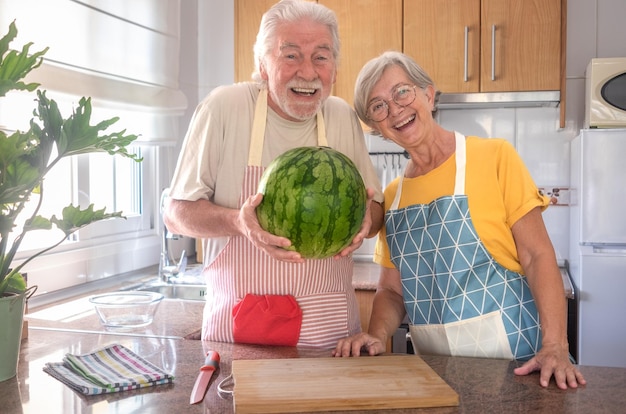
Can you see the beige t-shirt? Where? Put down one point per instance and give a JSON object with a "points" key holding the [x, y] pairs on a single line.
{"points": [[214, 155]]}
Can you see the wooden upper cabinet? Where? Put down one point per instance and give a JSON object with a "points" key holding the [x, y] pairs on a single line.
{"points": [[443, 36], [486, 45], [366, 29], [460, 43], [248, 14], [526, 38]]}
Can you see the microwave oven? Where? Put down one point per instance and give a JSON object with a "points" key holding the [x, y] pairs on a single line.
{"points": [[605, 94]]}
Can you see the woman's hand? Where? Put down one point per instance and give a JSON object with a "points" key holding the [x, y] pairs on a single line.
{"points": [[353, 345], [553, 360], [271, 244]]}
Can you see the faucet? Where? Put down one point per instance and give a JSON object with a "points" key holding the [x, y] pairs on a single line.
{"points": [[168, 268]]}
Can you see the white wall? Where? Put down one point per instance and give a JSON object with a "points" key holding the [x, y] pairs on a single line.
{"points": [[595, 28], [207, 54]]}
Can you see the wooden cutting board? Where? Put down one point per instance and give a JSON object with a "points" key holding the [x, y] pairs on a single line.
{"points": [[327, 384]]}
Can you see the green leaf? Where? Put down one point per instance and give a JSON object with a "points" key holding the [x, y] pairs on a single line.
{"points": [[22, 163], [15, 283], [75, 135], [15, 66], [73, 218], [39, 223]]}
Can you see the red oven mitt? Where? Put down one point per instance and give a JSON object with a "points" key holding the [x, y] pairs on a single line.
{"points": [[267, 320]]}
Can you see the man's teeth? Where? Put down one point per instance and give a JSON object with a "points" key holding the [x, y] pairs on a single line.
{"points": [[304, 91], [401, 124]]}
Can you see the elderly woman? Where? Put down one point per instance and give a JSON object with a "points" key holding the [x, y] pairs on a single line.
{"points": [[464, 250]]}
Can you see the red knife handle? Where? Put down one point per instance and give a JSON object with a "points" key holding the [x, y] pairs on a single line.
{"points": [[211, 362]]}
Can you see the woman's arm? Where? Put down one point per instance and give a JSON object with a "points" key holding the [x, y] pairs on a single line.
{"points": [[538, 260], [387, 314]]}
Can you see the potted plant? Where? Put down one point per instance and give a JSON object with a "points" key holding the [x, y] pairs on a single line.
{"points": [[25, 159]]}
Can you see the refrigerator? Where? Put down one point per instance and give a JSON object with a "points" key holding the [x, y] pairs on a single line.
{"points": [[597, 257]]}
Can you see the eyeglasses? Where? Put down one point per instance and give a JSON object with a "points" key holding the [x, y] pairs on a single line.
{"points": [[403, 95]]}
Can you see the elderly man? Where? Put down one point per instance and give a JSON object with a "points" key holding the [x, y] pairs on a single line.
{"points": [[235, 133]]}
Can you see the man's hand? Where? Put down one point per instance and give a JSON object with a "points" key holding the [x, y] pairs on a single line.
{"points": [[366, 225], [271, 244]]}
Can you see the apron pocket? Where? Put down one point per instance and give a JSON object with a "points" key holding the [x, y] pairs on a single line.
{"points": [[324, 320], [483, 336], [429, 339], [267, 320]]}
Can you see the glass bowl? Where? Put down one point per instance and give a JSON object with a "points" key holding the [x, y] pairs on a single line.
{"points": [[124, 310]]}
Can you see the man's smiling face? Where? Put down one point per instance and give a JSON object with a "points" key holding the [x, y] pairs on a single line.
{"points": [[301, 69]]}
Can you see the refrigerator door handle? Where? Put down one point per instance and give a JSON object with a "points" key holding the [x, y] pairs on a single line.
{"points": [[610, 250]]}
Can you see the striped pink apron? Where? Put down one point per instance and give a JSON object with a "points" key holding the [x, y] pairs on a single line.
{"points": [[322, 288]]}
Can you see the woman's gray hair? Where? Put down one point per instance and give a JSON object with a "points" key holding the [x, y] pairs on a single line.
{"points": [[289, 11], [373, 70]]}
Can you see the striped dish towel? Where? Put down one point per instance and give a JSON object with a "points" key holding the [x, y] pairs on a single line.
{"points": [[111, 369]]}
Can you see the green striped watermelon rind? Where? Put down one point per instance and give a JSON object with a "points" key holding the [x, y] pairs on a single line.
{"points": [[308, 182]]}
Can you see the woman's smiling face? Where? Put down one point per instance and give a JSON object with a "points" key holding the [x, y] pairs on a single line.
{"points": [[405, 125]]}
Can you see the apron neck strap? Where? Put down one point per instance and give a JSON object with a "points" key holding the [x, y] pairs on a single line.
{"points": [[321, 130], [459, 179], [460, 156], [258, 130]]}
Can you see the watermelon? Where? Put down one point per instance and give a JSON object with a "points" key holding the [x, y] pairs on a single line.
{"points": [[315, 197]]}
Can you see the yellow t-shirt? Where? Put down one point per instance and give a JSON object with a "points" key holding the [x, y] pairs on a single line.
{"points": [[499, 189]]}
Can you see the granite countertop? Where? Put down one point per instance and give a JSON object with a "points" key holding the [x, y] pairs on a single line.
{"points": [[483, 385], [78, 315]]}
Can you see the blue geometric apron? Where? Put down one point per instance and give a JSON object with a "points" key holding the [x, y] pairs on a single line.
{"points": [[459, 300]]}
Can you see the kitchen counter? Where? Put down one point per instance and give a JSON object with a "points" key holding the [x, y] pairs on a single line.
{"points": [[483, 385], [173, 319]]}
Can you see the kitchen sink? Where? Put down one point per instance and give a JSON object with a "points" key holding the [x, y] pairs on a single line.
{"points": [[174, 291]]}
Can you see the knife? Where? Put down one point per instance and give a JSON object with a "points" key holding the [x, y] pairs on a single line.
{"points": [[211, 363]]}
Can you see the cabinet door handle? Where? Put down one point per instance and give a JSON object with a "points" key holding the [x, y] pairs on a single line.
{"points": [[465, 61], [493, 52]]}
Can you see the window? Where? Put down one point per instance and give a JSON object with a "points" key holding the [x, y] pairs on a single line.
{"points": [[113, 183], [125, 57]]}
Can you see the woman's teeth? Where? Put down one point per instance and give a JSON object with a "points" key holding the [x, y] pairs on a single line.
{"points": [[401, 124]]}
